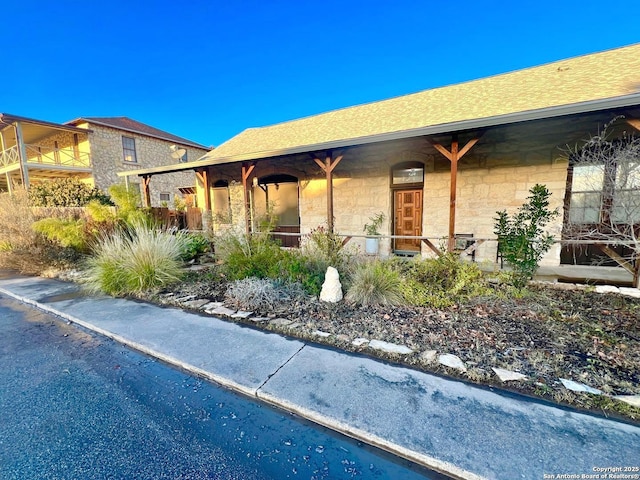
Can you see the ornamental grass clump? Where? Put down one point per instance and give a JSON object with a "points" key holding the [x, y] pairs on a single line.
{"points": [[375, 283], [134, 260]]}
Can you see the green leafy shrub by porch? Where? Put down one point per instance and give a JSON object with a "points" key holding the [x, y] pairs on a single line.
{"points": [[68, 233], [243, 256], [522, 240], [136, 259], [66, 192], [195, 244], [440, 282], [375, 283]]}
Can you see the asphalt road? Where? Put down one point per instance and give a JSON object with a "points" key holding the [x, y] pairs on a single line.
{"points": [[74, 405]]}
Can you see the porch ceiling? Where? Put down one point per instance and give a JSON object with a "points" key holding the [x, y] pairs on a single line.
{"points": [[32, 130]]}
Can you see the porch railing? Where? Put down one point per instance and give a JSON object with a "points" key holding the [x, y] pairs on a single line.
{"points": [[9, 156], [66, 156]]}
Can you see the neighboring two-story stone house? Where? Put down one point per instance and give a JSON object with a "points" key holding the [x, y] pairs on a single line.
{"points": [[93, 149]]}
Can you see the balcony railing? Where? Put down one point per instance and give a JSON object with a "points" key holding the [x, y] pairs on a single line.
{"points": [[64, 157], [9, 156]]}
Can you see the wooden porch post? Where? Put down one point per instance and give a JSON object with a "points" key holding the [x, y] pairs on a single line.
{"points": [[24, 169], [454, 156], [246, 173], [328, 165], [146, 195], [203, 176]]}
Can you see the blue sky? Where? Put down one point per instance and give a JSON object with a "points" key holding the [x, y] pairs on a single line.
{"points": [[206, 70]]}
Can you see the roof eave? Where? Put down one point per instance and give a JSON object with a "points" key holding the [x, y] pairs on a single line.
{"points": [[8, 118], [186, 142], [451, 127]]}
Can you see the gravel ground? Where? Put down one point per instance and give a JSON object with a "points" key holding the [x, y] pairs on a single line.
{"points": [[548, 334]]}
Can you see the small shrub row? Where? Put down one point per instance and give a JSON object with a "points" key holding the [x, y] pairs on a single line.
{"points": [[438, 282]]}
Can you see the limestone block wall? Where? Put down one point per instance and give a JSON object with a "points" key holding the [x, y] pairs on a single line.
{"points": [[108, 159], [482, 191]]}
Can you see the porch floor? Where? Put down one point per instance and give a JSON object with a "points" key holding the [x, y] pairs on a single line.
{"points": [[585, 274]]}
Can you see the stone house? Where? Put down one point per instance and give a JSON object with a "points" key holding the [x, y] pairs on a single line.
{"points": [[438, 164], [92, 149]]}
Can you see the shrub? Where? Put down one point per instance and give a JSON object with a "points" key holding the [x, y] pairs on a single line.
{"points": [[195, 244], [65, 232], [134, 260], [260, 294], [522, 240], [128, 205], [66, 192], [16, 220], [440, 282], [376, 283], [325, 245], [245, 256], [296, 267]]}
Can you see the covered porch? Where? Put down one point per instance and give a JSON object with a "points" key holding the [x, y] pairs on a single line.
{"points": [[32, 151]]}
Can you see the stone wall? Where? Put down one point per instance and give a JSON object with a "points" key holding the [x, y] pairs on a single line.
{"points": [[108, 159]]}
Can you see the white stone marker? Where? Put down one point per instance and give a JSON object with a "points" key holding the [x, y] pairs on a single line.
{"points": [[331, 288]]}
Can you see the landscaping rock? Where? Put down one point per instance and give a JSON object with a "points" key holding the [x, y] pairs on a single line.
{"points": [[358, 342], [221, 310], [241, 314], [195, 303], [508, 375], [630, 292], [429, 356], [607, 289], [633, 400], [211, 306], [260, 319], [185, 298], [452, 361], [390, 347], [280, 322], [319, 333], [331, 288], [579, 387]]}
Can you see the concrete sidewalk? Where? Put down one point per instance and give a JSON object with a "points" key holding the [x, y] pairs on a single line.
{"points": [[447, 425]]}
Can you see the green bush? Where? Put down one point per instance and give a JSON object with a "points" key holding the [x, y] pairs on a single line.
{"points": [[65, 232], [128, 205], [134, 260], [296, 267], [195, 244], [440, 282], [245, 256], [522, 240], [375, 283], [66, 192]]}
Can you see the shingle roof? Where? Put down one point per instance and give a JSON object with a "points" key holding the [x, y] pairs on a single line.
{"points": [[605, 75], [130, 125]]}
